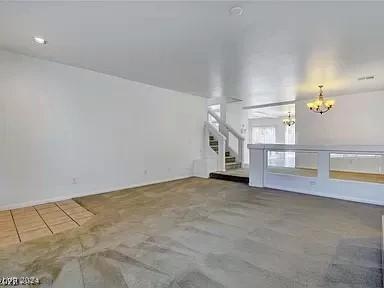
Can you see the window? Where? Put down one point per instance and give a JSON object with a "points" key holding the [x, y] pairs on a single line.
{"points": [[263, 135], [290, 138], [290, 135]]}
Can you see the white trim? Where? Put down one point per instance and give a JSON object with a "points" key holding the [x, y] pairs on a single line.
{"points": [[221, 139], [350, 199], [302, 187], [270, 105], [221, 122], [214, 131], [88, 193], [320, 185], [330, 148], [226, 129]]}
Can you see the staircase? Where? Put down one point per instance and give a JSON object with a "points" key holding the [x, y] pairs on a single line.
{"points": [[230, 160]]}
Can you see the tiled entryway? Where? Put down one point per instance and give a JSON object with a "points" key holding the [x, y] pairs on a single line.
{"points": [[23, 224]]}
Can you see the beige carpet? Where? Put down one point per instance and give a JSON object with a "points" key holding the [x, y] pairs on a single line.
{"points": [[208, 233]]}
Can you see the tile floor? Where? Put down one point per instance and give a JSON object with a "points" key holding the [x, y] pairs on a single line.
{"points": [[24, 224]]}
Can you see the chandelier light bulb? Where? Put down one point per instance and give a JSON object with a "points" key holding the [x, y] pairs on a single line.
{"points": [[40, 40], [289, 121], [319, 105]]}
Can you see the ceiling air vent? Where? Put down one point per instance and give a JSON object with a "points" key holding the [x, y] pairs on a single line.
{"points": [[371, 77], [232, 100]]}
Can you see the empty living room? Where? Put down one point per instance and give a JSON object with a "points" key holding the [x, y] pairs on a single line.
{"points": [[191, 144]]}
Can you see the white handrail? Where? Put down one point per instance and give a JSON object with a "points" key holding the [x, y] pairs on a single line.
{"points": [[214, 131], [209, 128], [330, 148], [221, 122], [227, 128]]}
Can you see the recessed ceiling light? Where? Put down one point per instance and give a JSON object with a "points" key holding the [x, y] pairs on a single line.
{"points": [[40, 40], [236, 11]]}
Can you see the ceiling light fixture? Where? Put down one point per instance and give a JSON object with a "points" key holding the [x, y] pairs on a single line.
{"points": [[40, 40], [289, 121], [236, 11], [320, 105]]}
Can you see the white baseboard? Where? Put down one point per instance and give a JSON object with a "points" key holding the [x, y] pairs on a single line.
{"points": [[325, 195], [86, 193]]}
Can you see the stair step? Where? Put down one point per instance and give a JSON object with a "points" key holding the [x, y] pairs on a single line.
{"points": [[213, 143], [234, 165], [230, 159], [216, 149], [227, 177]]}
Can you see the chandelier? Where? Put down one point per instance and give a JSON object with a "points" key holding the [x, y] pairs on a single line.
{"points": [[320, 105], [289, 121]]}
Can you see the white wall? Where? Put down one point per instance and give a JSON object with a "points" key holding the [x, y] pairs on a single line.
{"points": [[66, 132], [356, 119]]}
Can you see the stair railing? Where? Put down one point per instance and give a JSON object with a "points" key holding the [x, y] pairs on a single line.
{"points": [[225, 129], [221, 139]]}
